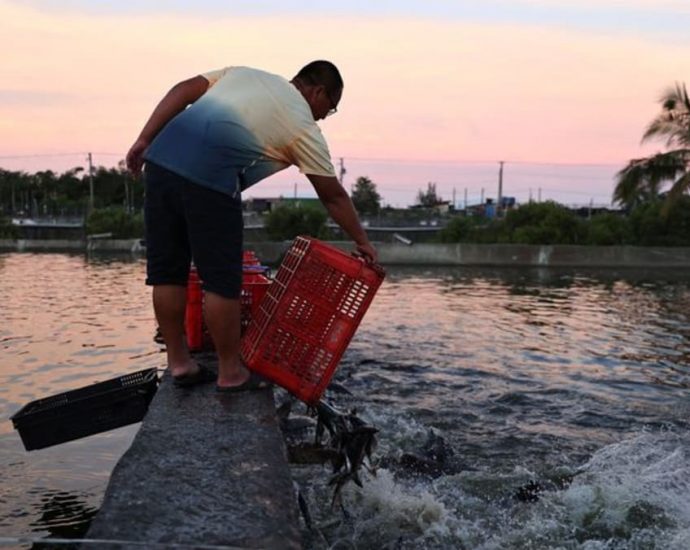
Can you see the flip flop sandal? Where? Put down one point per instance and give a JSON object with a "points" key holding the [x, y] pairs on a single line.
{"points": [[203, 376], [254, 382]]}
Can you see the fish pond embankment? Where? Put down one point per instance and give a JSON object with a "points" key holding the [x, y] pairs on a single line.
{"points": [[427, 254]]}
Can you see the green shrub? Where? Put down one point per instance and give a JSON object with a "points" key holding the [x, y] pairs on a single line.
{"points": [[544, 223], [458, 230], [609, 229], [651, 225], [117, 221], [287, 221]]}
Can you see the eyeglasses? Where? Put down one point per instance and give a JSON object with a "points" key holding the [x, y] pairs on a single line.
{"points": [[311, 80], [334, 109]]}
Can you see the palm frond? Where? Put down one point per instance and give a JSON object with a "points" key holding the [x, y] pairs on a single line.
{"points": [[642, 179], [673, 123], [628, 191], [680, 187]]}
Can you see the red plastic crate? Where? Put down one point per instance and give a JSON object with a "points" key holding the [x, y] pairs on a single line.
{"points": [[308, 317], [254, 286], [194, 318]]}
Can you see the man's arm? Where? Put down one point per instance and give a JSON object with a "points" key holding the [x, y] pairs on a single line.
{"points": [[175, 101], [340, 208]]}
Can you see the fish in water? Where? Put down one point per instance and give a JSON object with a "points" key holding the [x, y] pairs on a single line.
{"points": [[303, 507], [532, 490], [434, 458]]}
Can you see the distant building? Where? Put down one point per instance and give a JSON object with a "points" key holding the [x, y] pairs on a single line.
{"points": [[259, 205], [263, 205], [441, 207], [490, 209]]}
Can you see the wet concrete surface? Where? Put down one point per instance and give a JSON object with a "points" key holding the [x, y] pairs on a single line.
{"points": [[205, 469]]}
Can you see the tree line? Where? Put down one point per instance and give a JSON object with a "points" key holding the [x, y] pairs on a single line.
{"points": [[46, 194]]}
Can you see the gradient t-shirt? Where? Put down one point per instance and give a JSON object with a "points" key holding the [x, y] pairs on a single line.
{"points": [[249, 125]]}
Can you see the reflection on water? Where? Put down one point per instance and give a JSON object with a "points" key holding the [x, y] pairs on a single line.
{"points": [[64, 514], [521, 374], [68, 322]]}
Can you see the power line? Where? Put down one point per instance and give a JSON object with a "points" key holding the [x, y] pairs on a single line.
{"points": [[397, 160], [42, 155], [48, 155], [481, 162]]}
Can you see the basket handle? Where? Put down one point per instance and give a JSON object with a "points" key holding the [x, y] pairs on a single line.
{"points": [[373, 265]]}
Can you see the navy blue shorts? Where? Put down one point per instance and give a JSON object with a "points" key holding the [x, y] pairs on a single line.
{"points": [[186, 221]]}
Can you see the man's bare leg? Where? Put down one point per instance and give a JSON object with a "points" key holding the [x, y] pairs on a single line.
{"points": [[169, 302], [223, 321]]}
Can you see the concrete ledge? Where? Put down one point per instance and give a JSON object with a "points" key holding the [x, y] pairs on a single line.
{"points": [[430, 254], [204, 469], [533, 255], [42, 245]]}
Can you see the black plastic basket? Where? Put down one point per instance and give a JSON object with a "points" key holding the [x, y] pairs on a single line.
{"points": [[86, 411]]}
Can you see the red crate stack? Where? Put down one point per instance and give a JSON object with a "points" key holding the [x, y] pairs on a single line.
{"points": [[308, 317], [254, 285], [194, 317]]}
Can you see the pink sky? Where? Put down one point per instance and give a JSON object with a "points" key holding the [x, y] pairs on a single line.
{"points": [[444, 91]]}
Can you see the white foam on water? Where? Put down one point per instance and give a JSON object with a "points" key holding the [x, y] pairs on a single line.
{"points": [[389, 510], [403, 432], [631, 494], [638, 484]]}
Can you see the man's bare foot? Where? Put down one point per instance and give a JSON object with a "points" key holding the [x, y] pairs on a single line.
{"points": [[201, 375], [253, 382], [235, 377], [181, 370]]}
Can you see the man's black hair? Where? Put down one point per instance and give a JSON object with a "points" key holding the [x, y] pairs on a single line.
{"points": [[322, 73]]}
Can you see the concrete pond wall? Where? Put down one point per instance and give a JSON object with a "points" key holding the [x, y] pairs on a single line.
{"points": [[428, 254]]}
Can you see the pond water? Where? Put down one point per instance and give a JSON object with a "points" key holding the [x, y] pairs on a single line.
{"points": [[573, 384]]}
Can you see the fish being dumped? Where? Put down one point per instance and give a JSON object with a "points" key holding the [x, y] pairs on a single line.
{"points": [[354, 441], [341, 438]]}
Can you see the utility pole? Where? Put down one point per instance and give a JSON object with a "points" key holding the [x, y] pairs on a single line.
{"points": [[125, 179], [294, 193], [90, 159], [454, 203], [343, 171], [530, 195], [465, 200], [499, 203], [539, 195]]}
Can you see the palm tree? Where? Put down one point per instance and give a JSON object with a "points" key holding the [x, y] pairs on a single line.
{"points": [[642, 179]]}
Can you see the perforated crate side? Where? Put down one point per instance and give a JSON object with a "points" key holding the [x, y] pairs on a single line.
{"points": [[307, 321], [286, 272]]}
